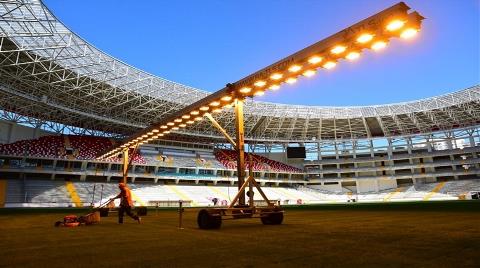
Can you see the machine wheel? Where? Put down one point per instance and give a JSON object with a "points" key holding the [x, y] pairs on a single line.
{"points": [[206, 220], [273, 217]]}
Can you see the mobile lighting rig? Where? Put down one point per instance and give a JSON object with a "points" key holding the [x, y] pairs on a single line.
{"points": [[372, 33]]}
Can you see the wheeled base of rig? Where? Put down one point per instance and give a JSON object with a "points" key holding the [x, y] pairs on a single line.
{"points": [[211, 218]]}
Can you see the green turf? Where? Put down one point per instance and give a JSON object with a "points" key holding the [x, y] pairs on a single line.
{"points": [[357, 235]]}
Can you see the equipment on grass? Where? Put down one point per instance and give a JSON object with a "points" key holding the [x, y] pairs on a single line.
{"points": [[87, 219]]}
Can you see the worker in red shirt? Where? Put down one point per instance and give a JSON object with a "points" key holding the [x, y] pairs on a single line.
{"points": [[126, 203]]}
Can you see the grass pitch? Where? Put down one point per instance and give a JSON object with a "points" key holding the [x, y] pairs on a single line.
{"points": [[417, 235]]}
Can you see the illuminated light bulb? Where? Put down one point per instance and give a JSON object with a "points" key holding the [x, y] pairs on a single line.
{"points": [[274, 87], [178, 120], [294, 68], [226, 98], [379, 45], [217, 110], [155, 131], [204, 108], [170, 123], [123, 146], [329, 65], [408, 33], [150, 133], [161, 135], [185, 116], [395, 25], [364, 38], [174, 128], [338, 49], [194, 112], [151, 139], [309, 73], [259, 93], [166, 132], [276, 76], [291, 80], [164, 127], [315, 59], [190, 122], [145, 136], [155, 137], [353, 55], [260, 83], [245, 90], [182, 125], [228, 106], [135, 140], [198, 118], [214, 103]]}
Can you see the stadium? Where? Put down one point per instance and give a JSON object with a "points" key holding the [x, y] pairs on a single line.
{"points": [[75, 122]]}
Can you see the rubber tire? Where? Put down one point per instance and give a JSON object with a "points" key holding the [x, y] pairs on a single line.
{"points": [[207, 221], [272, 218]]}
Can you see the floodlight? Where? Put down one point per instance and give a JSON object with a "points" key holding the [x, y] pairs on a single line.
{"points": [[364, 38], [353, 55]]}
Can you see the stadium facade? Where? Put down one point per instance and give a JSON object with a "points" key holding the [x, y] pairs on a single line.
{"points": [[57, 83]]}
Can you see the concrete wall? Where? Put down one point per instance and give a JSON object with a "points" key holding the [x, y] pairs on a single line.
{"points": [[12, 132], [282, 157], [328, 187], [364, 186], [387, 184]]}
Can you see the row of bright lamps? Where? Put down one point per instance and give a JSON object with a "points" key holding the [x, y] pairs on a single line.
{"points": [[314, 62], [259, 87]]}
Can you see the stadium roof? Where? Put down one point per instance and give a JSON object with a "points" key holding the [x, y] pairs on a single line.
{"points": [[51, 74]]}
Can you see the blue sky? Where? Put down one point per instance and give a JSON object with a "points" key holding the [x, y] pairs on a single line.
{"points": [[206, 44]]}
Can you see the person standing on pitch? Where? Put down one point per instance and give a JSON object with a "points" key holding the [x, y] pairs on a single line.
{"points": [[126, 203]]}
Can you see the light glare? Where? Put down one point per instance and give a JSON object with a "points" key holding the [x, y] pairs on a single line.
{"points": [[291, 80], [226, 98], [379, 45], [364, 38], [329, 65], [338, 49], [274, 87], [315, 60], [260, 83], [294, 68], [245, 90], [408, 33], [276, 76], [353, 55], [309, 73], [259, 93], [395, 25]]}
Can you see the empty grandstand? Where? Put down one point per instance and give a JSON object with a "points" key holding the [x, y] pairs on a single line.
{"points": [[420, 150]]}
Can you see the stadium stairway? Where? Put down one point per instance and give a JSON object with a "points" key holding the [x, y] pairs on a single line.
{"points": [[72, 191], [435, 190], [3, 192], [181, 194], [15, 192], [47, 193], [391, 194]]}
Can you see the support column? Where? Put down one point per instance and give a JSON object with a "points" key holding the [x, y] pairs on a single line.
{"points": [[240, 149], [125, 165]]}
